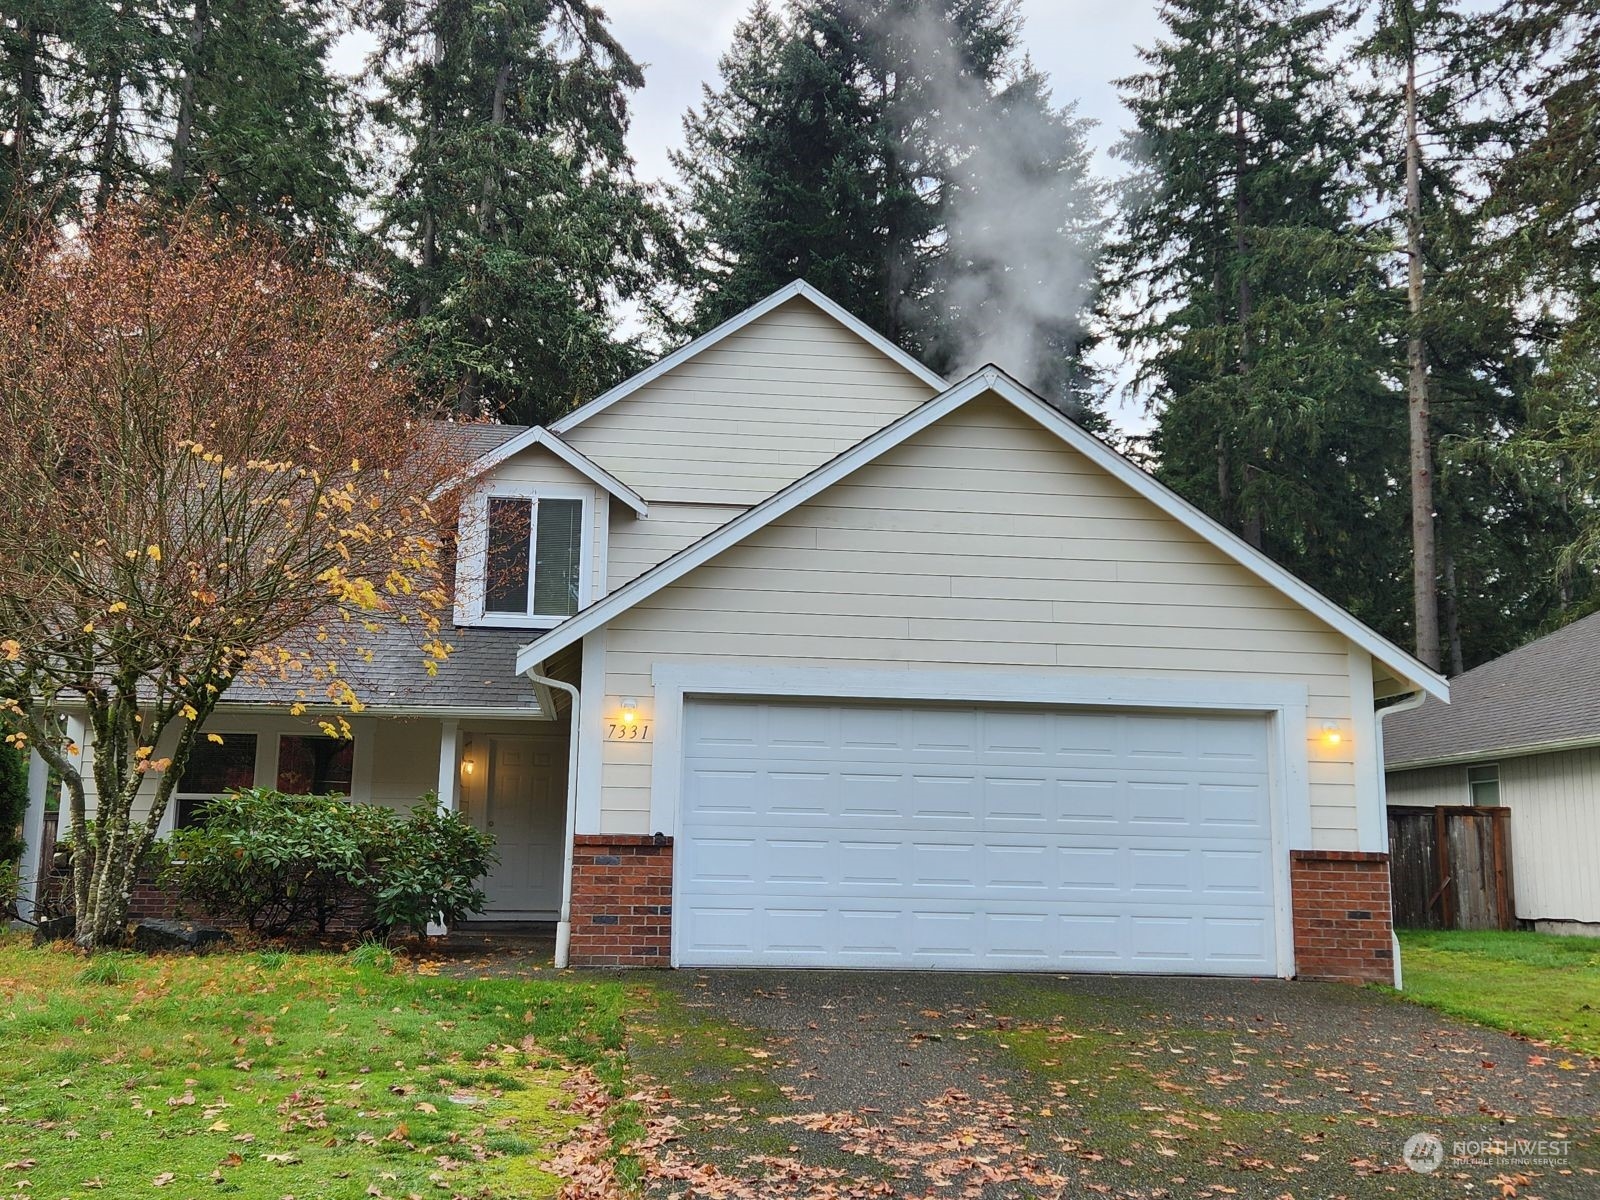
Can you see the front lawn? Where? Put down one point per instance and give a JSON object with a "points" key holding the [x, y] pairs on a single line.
{"points": [[272, 1075], [1536, 984]]}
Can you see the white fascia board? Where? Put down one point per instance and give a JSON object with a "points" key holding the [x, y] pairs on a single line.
{"points": [[799, 289], [576, 459], [985, 381]]}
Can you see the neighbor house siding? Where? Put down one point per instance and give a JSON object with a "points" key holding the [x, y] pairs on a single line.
{"points": [[984, 543], [1429, 786], [753, 413], [1555, 833]]}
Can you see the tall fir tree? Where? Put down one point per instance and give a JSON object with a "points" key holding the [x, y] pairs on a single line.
{"points": [[1252, 294], [260, 129], [518, 222], [877, 148], [1544, 241]]}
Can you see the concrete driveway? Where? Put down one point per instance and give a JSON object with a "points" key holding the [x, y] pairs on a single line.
{"points": [[858, 1084]]}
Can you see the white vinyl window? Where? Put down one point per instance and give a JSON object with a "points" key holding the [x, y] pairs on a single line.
{"points": [[525, 557], [1483, 784]]}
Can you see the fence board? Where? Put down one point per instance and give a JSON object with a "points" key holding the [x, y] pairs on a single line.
{"points": [[1450, 867]]}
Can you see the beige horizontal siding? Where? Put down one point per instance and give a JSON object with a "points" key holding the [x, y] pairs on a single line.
{"points": [[946, 554], [752, 414], [637, 545]]}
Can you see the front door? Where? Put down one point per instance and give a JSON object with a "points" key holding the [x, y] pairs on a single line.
{"points": [[523, 806]]}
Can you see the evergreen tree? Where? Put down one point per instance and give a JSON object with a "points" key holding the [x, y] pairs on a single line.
{"points": [[1253, 295], [513, 206], [1545, 246], [260, 130], [904, 157]]}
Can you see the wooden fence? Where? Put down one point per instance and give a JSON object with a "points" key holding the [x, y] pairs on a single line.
{"points": [[1450, 867]]}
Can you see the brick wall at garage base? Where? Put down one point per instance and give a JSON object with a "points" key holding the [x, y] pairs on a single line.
{"points": [[1342, 926], [621, 901]]}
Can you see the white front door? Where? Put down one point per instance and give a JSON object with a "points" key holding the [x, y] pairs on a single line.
{"points": [[522, 803], [934, 836]]}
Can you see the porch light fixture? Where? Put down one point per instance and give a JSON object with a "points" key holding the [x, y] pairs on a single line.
{"points": [[1331, 735], [630, 711], [468, 763]]}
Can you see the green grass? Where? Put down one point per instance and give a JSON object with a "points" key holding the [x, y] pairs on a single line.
{"points": [[270, 1075], [1539, 985]]}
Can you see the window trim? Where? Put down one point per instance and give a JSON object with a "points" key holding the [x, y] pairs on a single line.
{"points": [[473, 552]]}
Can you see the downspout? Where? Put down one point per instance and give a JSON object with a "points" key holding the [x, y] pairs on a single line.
{"points": [[1414, 701], [564, 923]]}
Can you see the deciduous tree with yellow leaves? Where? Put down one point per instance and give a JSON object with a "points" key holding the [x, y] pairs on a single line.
{"points": [[208, 470]]}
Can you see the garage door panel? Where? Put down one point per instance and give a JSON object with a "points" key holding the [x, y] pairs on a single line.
{"points": [[943, 837]]}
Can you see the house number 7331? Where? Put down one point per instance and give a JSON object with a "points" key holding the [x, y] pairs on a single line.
{"points": [[617, 731]]}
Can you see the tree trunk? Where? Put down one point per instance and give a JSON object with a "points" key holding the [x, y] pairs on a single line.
{"points": [[429, 253], [183, 133], [1452, 613], [106, 158], [1244, 308], [27, 86], [1424, 574]]}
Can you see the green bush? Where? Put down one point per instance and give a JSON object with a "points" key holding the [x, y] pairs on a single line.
{"points": [[283, 864], [13, 801]]}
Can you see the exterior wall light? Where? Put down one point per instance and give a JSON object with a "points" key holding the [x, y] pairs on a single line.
{"points": [[630, 711], [1331, 735]]}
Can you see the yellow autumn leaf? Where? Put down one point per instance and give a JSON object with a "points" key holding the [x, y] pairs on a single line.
{"points": [[119, 606], [189, 712], [214, 737], [154, 551]]}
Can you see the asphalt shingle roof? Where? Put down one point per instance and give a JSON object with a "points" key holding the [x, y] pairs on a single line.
{"points": [[1545, 692], [481, 672]]}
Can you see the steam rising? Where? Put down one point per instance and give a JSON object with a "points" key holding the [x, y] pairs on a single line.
{"points": [[1023, 217]]}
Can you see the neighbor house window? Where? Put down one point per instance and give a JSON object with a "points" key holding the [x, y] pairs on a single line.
{"points": [[315, 766], [1483, 784], [213, 769], [532, 560]]}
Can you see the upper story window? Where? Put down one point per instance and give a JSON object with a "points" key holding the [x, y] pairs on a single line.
{"points": [[523, 558]]}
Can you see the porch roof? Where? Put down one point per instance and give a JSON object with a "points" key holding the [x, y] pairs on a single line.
{"points": [[480, 674]]}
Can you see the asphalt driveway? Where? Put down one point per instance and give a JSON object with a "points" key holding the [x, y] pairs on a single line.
{"points": [[850, 1084]]}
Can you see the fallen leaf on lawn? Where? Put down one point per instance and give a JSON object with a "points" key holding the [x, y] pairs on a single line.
{"points": [[163, 1179]]}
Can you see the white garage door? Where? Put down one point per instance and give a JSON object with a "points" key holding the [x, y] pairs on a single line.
{"points": [[917, 836]]}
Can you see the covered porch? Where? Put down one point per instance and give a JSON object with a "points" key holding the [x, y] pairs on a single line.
{"points": [[506, 773]]}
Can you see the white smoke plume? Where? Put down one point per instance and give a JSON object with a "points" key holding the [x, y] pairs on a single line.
{"points": [[1023, 216]]}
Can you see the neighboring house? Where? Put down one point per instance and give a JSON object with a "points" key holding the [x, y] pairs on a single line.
{"points": [[1522, 731], [858, 668]]}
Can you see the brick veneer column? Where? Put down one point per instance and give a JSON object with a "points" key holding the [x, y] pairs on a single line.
{"points": [[621, 900], [1342, 916]]}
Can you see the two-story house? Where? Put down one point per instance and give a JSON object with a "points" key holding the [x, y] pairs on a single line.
{"points": [[788, 652]]}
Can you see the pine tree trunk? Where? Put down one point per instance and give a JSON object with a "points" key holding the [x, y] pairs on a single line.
{"points": [[27, 86], [1452, 613], [1244, 302], [183, 133], [106, 158], [1424, 573]]}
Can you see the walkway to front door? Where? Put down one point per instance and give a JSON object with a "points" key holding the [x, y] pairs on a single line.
{"points": [[521, 801]]}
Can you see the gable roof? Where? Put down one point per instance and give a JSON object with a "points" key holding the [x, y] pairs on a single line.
{"points": [[529, 436], [798, 290], [988, 380], [1541, 696]]}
